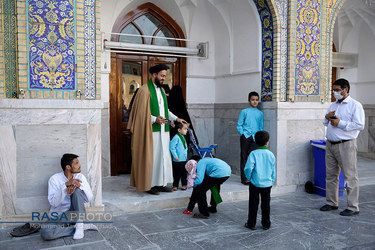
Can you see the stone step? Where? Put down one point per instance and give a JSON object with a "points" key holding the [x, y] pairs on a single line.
{"points": [[120, 198]]}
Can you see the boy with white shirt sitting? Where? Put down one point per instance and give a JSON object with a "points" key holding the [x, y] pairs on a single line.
{"points": [[68, 191]]}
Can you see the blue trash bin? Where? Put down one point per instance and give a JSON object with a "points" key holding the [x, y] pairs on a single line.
{"points": [[320, 169]]}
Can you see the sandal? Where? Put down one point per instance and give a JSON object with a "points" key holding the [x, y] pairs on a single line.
{"points": [[25, 230], [187, 212], [247, 226], [183, 188], [174, 188]]}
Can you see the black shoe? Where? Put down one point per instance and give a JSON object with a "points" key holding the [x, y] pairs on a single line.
{"points": [[153, 191], [164, 189], [247, 182], [328, 208], [266, 228], [249, 227], [25, 230], [348, 212], [200, 216], [212, 210]]}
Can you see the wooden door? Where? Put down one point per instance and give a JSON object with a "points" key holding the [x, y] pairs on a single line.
{"points": [[129, 72]]}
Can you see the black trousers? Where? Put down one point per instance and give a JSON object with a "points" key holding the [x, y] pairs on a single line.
{"points": [[199, 194], [247, 145], [265, 194], [179, 172]]}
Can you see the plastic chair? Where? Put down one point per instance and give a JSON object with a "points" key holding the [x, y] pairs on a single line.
{"points": [[202, 152]]}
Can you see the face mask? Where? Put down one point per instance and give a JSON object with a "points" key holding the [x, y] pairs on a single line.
{"points": [[337, 95]]}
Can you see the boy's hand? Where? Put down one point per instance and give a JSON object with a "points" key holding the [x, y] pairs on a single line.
{"points": [[176, 158]]}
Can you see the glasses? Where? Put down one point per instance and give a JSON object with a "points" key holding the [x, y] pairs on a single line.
{"points": [[337, 90]]}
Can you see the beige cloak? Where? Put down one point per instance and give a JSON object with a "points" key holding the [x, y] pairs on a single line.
{"points": [[140, 127]]}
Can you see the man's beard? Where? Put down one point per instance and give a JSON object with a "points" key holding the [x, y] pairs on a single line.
{"points": [[157, 82]]}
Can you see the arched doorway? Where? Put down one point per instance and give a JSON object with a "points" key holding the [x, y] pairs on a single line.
{"points": [[145, 25]]}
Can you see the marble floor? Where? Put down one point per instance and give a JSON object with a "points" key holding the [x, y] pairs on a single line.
{"points": [[297, 223]]}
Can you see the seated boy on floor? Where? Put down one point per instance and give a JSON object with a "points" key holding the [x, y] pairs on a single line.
{"points": [[210, 172]]}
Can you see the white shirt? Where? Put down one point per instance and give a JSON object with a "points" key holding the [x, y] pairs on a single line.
{"points": [[172, 117], [352, 120], [57, 196]]}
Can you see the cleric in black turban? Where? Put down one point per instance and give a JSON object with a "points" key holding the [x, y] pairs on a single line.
{"points": [[158, 67]]}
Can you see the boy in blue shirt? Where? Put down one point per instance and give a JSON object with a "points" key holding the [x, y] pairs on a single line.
{"points": [[210, 172], [178, 148], [249, 122], [260, 171]]}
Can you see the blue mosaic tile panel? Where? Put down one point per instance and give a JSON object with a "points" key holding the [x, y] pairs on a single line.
{"points": [[282, 9], [10, 48], [307, 47], [51, 37], [90, 50], [267, 49]]}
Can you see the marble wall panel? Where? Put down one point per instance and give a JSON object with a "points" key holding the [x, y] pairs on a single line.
{"points": [[47, 116], [8, 155], [202, 117], [34, 135], [366, 138], [226, 134], [106, 147], [32, 204], [94, 159], [299, 168], [39, 150]]}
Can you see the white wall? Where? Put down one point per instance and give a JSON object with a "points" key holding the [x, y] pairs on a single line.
{"points": [[360, 39], [233, 31], [235, 89], [234, 34]]}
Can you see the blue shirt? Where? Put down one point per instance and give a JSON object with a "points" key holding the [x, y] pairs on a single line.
{"points": [[260, 168], [250, 122], [212, 167], [177, 149]]}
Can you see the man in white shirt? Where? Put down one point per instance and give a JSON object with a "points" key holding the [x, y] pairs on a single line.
{"points": [[68, 191], [344, 120]]}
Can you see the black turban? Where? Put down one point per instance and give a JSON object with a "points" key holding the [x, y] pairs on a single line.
{"points": [[158, 67]]}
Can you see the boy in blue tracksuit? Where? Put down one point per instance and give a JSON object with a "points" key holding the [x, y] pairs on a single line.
{"points": [[249, 122], [210, 172], [178, 148], [260, 171]]}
